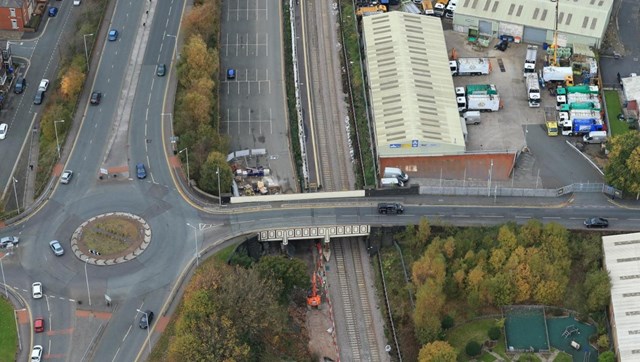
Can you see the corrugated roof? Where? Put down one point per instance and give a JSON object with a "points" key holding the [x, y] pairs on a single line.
{"points": [[622, 260], [584, 17], [412, 89]]}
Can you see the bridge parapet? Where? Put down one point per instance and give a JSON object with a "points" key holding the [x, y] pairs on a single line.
{"points": [[313, 232]]}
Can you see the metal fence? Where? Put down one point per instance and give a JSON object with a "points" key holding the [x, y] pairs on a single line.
{"points": [[506, 191]]}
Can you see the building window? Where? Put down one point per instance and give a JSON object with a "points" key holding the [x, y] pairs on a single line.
{"points": [[12, 12], [511, 7]]}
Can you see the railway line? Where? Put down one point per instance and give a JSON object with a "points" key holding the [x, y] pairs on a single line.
{"points": [[326, 105]]}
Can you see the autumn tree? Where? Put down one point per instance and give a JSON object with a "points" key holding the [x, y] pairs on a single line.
{"points": [[196, 62], [438, 351], [203, 19], [71, 83], [597, 288], [291, 272], [430, 301], [623, 169]]}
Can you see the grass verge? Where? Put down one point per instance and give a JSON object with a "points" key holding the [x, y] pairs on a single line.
{"points": [[8, 333], [563, 357], [614, 108]]}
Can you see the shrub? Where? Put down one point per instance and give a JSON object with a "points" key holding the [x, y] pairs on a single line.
{"points": [[494, 333], [447, 322], [473, 348]]}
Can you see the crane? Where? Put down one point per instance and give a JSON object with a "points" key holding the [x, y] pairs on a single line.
{"points": [[555, 36]]}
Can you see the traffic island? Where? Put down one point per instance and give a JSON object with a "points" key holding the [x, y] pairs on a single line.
{"points": [[111, 238]]}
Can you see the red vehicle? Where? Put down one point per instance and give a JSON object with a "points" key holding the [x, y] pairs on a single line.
{"points": [[38, 325]]}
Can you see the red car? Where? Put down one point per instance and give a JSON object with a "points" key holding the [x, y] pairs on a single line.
{"points": [[38, 325]]}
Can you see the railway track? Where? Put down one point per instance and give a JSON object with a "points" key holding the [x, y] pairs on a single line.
{"points": [[331, 153], [358, 316]]}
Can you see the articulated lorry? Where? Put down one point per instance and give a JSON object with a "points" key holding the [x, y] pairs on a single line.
{"points": [[580, 126], [591, 106], [530, 59], [478, 97], [557, 74], [572, 98], [579, 113], [470, 66], [586, 89], [533, 89], [370, 10], [439, 8]]}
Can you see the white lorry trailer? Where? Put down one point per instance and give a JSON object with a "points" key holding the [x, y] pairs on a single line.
{"points": [[470, 66], [530, 59], [483, 102], [577, 98], [556, 74], [533, 89]]}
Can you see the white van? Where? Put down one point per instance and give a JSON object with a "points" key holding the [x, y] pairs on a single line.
{"points": [[395, 173], [471, 117], [391, 182], [595, 137]]}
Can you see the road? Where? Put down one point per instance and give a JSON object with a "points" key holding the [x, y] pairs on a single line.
{"points": [[628, 28]]}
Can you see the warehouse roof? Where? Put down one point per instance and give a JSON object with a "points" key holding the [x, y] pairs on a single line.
{"points": [[412, 92], [622, 260], [584, 17]]}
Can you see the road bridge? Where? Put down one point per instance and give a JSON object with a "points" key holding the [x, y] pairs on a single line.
{"points": [[313, 232]]}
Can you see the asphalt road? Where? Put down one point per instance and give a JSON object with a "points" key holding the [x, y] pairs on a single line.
{"points": [[628, 29]]}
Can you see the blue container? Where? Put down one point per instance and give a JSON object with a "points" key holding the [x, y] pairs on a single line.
{"points": [[545, 46]]}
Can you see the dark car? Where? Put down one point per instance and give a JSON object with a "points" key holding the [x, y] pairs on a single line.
{"points": [[113, 35], [390, 208], [96, 97], [39, 97], [53, 11], [21, 84], [231, 73], [141, 171], [161, 70], [502, 45], [146, 319], [596, 222]]}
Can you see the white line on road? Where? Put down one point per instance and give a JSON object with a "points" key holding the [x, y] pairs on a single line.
{"points": [[459, 215], [126, 334], [551, 217], [522, 217], [493, 216], [115, 355], [634, 219]]}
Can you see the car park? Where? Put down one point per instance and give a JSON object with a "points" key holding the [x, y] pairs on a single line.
{"points": [[56, 247], [36, 353], [141, 171], [21, 84], [36, 290], [53, 11], [5, 241], [66, 176], [596, 222], [4, 128], [161, 70], [38, 325], [145, 319], [96, 97], [231, 73], [113, 35], [39, 97]]}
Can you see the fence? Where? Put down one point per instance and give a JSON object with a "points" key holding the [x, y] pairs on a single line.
{"points": [[505, 191]]}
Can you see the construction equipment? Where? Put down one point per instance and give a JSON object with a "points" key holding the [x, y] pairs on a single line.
{"points": [[313, 298]]}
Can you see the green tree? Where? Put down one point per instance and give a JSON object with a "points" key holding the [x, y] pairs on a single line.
{"points": [[623, 169], [603, 342], [597, 287], [494, 333], [209, 177], [607, 356], [473, 349], [438, 351], [291, 272]]}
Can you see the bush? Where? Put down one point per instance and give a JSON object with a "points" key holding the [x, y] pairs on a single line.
{"points": [[447, 322], [473, 348], [494, 333]]}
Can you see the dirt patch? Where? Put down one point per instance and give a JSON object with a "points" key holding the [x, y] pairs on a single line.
{"points": [[111, 236]]}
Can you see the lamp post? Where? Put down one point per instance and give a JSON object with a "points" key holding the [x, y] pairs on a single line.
{"points": [[219, 196], [148, 327], [6, 293], [86, 53], [195, 238], [187, 151], [15, 181], [55, 127], [86, 277]]}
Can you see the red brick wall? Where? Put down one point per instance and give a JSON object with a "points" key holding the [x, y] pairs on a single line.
{"points": [[453, 167]]}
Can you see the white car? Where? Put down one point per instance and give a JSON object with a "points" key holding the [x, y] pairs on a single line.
{"points": [[66, 177], [3, 130], [36, 354], [76, 2], [36, 290], [44, 85]]}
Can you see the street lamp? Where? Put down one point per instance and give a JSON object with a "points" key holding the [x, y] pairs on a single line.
{"points": [[55, 127], [195, 238], [148, 327], [219, 196], [186, 149], [86, 277], [6, 293], [86, 53], [15, 181]]}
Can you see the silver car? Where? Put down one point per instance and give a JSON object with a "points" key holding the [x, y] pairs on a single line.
{"points": [[66, 177], [56, 247], [4, 242]]}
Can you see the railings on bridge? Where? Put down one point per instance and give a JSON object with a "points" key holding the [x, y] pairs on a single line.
{"points": [[313, 232]]}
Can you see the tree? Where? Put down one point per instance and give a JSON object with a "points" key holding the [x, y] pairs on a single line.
{"points": [[623, 169], [438, 351], [597, 287], [447, 322], [473, 349], [603, 342], [429, 266], [494, 333], [195, 62], [209, 178], [430, 301], [72, 82], [607, 356], [292, 273], [202, 20]]}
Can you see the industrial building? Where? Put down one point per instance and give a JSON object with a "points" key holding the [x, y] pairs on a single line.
{"points": [[533, 21], [622, 261]]}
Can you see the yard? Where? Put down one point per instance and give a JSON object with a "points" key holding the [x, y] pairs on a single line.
{"points": [[614, 108], [475, 331]]}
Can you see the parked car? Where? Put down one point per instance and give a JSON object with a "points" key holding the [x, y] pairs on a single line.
{"points": [[53, 11], [39, 97], [9, 240], [4, 128], [36, 353], [36, 290], [113, 35], [66, 176], [141, 171], [231, 73], [44, 85], [21, 84], [96, 97], [161, 70], [596, 222], [145, 319], [38, 325], [56, 247], [76, 2]]}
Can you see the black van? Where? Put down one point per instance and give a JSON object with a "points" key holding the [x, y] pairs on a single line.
{"points": [[390, 208], [21, 84]]}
